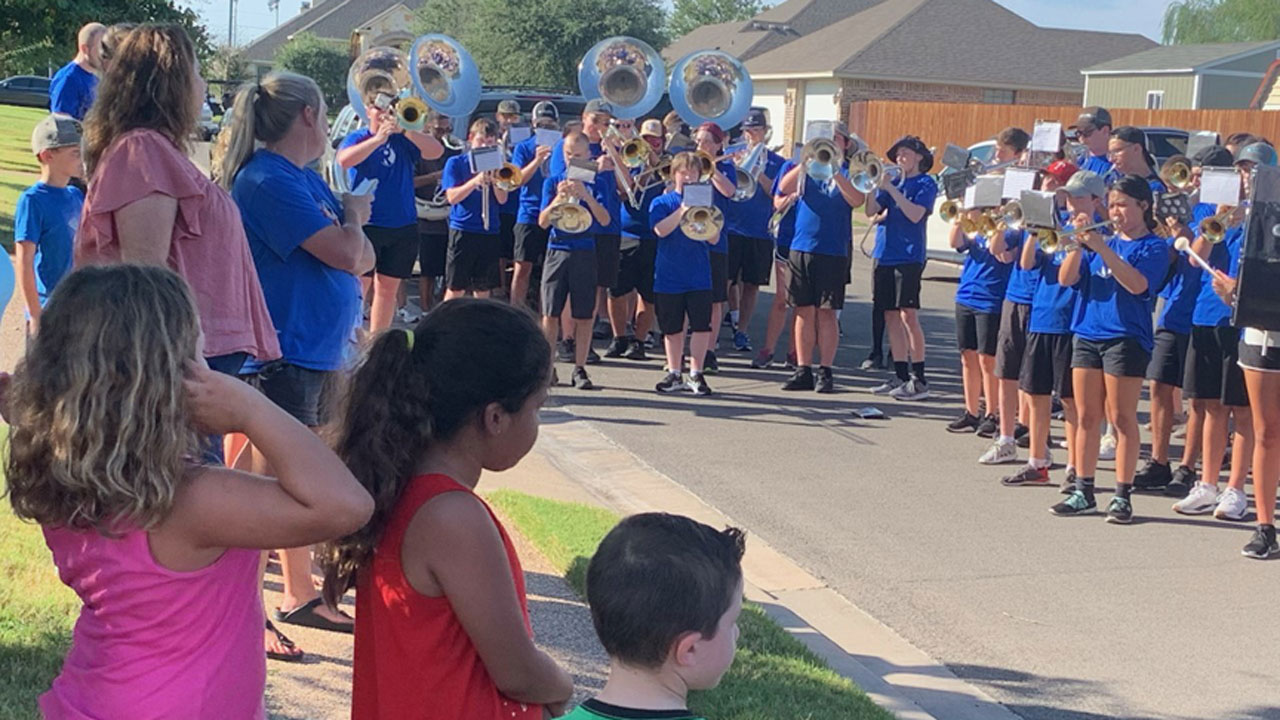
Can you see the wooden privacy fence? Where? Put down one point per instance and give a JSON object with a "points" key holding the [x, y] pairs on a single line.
{"points": [[881, 122]]}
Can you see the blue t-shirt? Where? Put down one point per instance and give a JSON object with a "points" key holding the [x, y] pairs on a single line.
{"points": [[1183, 289], [1054, 304], [1106, 310], [983, 279], [635, 220], [750, 218], [556, 164], [682, 265], [392, 165], [1210, 311], [467, 215], [898, 240], [787, 226], [71, 91], [586, 240], [1022, 283], [824, 219], [48, 217], [1098, 164], [531, 192], [725, 204], [314, 307]]}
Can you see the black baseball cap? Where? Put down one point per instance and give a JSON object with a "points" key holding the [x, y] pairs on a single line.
{"points": [[1214, 156], [1092, 118], [756, 118]]}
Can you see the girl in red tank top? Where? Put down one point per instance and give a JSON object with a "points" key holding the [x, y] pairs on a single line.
{"points": [[442, 624]]}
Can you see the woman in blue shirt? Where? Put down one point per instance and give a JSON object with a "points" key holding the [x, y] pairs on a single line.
{"points": [[309, 251], [1118, 279]]}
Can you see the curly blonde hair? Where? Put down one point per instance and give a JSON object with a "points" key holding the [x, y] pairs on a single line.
{"points": [[147, 84], [101, 434]]}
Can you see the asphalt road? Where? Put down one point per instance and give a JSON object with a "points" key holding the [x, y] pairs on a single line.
{"points": [[1058, 618]]}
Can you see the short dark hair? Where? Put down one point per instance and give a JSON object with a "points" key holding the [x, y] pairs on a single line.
{"points": [[1014, 137], [1139, 189], [658, 576], [1241, 139]]}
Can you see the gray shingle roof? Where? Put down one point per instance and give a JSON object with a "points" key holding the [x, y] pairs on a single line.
{"points": [[733, 37], [333, 19], [1181, 57]]}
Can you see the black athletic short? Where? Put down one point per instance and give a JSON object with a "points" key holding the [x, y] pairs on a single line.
{"points": [[1118, 357], [896, 287], [1046, 368], [472, 261], [531, 243], [750, 260], [1257, 357], [671, 310], [817, 280], [977, 330], [1212, 369], [298, 391], [569, 275], [394, 249], [719, 277], [1168, 357], [635, 269], [1011, 340], [433, 249], [608, 259], [506, 235]]}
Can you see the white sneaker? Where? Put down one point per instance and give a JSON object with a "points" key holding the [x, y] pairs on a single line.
{"points": [[1202, 499], [887, 387], [1232, 505], [408, 315], [1000, 454], [1107, 449], [912, 389]]}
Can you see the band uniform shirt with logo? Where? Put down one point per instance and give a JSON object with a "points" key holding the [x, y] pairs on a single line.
{"points": [[1107, 311], [392, 164], [898, 240], [682, 264]]}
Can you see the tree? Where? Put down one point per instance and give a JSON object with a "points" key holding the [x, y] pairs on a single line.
{"points": [[228, 63], [689, 15], [542, 44], [1219, 21], [37, 37], [325, 62]]}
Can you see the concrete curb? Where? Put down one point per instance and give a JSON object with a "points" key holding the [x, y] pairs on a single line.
{"points": [[575, 462]]}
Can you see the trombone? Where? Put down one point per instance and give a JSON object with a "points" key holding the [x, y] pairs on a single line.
{"points": [[509, 177], [1176, 174]]}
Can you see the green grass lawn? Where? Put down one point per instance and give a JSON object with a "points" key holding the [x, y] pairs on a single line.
{"points": [[18, 167], [36, 615], [773, 676]]}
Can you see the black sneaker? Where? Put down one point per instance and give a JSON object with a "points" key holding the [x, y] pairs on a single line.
{"points": [[1028, 475], [1153, 477], [710, 365], [1068, 485], [601, 330], [1077, 503], [580, 379], [989, 426], [592, 357], [1263, 545], [697, 384], [635, 351], [670, 384], [825, 384], [966, 423], [1180, 482], [564, 350], [801, 379], [1120, 511], [617, 347], [1022, 435]]}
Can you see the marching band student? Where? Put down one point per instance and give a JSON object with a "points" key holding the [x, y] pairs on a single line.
{"points": [[1235, 141], [634, 287], [530, 238], [1093, 129], [900, 255], [385, 152], [709, 139], [750, 247], [507, 115], [1113, 336], [433, 235], [682, 282], [1046, 368], [983, 281], [569, 274], [778, 310], [1011, 340], [1260, 359], [473, 262], [819, 260], [1128, 151]]}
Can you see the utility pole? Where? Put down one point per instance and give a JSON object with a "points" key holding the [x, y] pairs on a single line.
{"points": [[231, 23]]}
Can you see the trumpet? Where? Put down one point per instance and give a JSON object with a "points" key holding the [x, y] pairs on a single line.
{"points": [[702, 223], [1011, 216], [1215, 228], [1053, 240], [1176, 173], [948, 210]]}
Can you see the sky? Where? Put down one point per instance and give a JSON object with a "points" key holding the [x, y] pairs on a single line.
{"points": [[1136, 16]]}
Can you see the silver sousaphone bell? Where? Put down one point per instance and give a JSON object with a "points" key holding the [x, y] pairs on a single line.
{"points": [[627, 73], [711, 86]]}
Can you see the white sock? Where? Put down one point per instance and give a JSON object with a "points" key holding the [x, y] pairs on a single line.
{"points": [[1005, 439], [1037, 463], [734, 315]]}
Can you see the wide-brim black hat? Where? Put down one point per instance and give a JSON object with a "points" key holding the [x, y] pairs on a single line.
{"points": [[916, 145]]}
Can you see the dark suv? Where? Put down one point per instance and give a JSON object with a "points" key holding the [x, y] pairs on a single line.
{"points": [[29, 90]]}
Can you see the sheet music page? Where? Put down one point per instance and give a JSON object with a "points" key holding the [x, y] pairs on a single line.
{"points": [[1046, 136], [518, 134], [698, 195], [547, 137], [1220, 186], [485, 159], [1018, 179]]}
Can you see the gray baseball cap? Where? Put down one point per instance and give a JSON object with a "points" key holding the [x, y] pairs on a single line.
{"points": [[598, 105], [509, 107], [55, 131], [1086, 182]]}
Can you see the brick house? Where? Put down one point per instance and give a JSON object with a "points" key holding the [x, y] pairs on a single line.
{"points": [[809, 59]]}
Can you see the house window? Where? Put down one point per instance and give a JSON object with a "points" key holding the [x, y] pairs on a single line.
{"points": [[997, 97], [1155, 99]]}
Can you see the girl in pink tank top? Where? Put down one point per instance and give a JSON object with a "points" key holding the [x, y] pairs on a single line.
{"points": [[106, 412], [442, 624]]}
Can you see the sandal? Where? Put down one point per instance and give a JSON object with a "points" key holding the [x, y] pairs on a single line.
{"points": [[306, 616], [287, 644]]}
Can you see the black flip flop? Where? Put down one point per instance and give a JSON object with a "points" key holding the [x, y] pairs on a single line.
{"points": [[306, 616], [287, 644]]}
